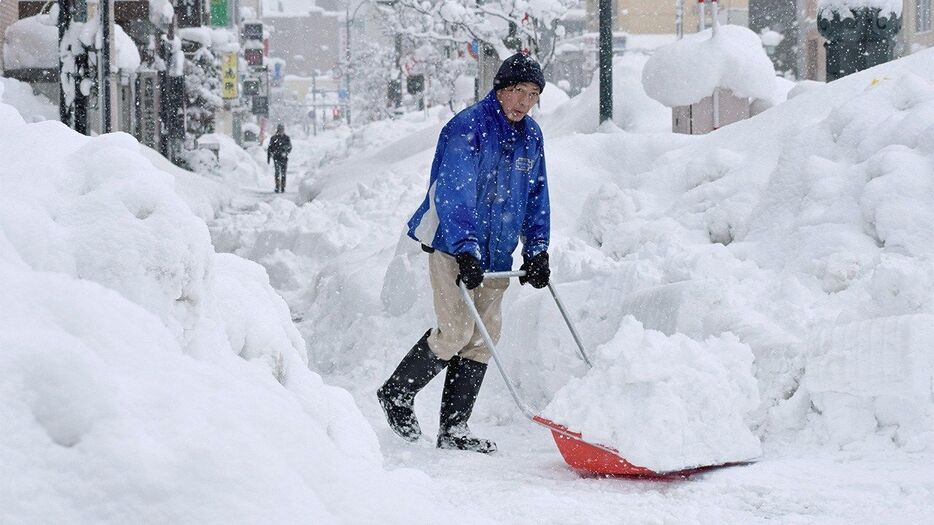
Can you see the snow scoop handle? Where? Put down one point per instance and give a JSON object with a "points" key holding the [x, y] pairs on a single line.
{"points": [[472, 308]]}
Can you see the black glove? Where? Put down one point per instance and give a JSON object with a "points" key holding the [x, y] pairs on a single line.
{"points": [[471, 273], [536, 271]]}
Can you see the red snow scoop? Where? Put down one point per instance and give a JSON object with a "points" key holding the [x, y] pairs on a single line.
{"points": [[582, 455]]}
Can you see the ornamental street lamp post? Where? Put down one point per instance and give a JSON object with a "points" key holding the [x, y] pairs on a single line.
{"points": [[863, 38]]}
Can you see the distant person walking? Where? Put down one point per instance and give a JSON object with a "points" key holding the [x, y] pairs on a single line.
{"points": [[280, 145]]}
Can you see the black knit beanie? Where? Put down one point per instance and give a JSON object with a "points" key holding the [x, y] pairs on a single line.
{"points": [[519, 68]]}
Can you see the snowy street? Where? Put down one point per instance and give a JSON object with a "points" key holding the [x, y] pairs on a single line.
{"points": [[328, 257], [191, 347]]}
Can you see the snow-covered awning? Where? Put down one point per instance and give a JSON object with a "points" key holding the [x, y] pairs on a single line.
{"points": [[686, 71], [32, 43]]}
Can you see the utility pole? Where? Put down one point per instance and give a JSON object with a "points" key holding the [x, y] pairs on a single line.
{"points": [[347, 58], [314, 101], [74, 112], [679, 19], [64, 22], [606, 60], [106, 82], [172, 96]]}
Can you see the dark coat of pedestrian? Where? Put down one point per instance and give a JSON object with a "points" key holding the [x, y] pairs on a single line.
{"points": [[280, 145], [487, 191]]}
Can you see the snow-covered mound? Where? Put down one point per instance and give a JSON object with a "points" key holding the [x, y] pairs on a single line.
{"points": [[665, 403], [32, 107], [686, 71], [233, 165], [143, 378], [633, 110]]}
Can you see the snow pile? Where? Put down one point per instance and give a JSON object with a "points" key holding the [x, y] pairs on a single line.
{"points": [[665, 403], [143, 377], [690, 69], [233, 165], [32, 107], [795, 231], [633, 110], [551, 99], [871, 374]]}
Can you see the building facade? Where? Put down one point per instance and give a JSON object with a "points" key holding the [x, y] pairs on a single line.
{"points": [[9, 13], [658, 17]]}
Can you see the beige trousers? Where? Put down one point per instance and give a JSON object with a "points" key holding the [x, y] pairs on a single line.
{"points": [[455, 333]]}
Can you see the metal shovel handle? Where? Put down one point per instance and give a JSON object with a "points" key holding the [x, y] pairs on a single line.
{"points": [[472, 308]]}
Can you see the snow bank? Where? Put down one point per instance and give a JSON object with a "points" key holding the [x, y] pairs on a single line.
{"points": [[233, 165], [665, 403], [32, 107], [689, 69], [145, 378], [804, 232], [633, 110]]}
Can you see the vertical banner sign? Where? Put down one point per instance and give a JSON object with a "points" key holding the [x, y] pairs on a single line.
{"points": [[219, 17], [147, 89], [229, 76]]}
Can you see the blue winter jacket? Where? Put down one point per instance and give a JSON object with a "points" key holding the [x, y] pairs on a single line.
{"points": [[487, 188]]}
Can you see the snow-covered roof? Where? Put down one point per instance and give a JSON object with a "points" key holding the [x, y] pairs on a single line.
{"points": [[686, 71]]}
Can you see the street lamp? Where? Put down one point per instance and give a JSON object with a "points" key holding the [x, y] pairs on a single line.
{"points": [[605, 54]]}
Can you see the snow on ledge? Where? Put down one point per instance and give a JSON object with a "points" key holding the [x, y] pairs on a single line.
{"points": [[31, 42], [845, 8], [686, 71]]}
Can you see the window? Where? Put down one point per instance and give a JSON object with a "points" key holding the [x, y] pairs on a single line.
{"points": [[922, 16]]}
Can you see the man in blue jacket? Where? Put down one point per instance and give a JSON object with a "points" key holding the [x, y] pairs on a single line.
{"points": [[487, 191]]}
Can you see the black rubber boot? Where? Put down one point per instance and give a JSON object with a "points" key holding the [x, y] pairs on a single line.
{"points": [[397, 395], [461, 386]]}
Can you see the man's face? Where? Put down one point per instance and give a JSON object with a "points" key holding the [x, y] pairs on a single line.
{"points": [[517, 100]]}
